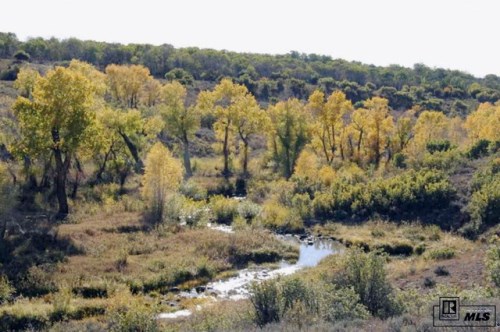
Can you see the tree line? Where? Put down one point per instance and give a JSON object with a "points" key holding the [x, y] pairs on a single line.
{"points": [[272, 77], [77, 115]]}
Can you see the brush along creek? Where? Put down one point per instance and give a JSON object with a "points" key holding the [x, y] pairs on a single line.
{"points": [[312, 251]]}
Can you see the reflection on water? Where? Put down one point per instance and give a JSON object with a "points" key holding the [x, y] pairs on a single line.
{"points": [[312, 251], [311, 255]]}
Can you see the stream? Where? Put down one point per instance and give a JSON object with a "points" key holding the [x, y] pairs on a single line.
{"points": [[312, 251]]}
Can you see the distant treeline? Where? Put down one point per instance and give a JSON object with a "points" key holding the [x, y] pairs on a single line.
{"points": [[271, 77]]}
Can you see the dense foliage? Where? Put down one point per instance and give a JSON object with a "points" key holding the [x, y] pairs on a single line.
{"points": [[269, 77]]}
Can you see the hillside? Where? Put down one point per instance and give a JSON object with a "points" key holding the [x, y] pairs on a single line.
{"points": [[273, 77]]}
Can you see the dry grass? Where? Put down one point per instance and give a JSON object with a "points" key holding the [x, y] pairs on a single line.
{"points": [[119, 249], [431, 248]]}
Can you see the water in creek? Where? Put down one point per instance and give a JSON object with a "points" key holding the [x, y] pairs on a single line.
{"points": [[312, 251]]}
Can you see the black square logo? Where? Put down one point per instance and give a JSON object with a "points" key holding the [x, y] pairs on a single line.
{"points": [[449, 308]]}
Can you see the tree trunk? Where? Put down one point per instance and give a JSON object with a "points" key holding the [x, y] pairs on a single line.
{"points": [[79, 172], [225, 150], [60, 184], [187, 157], [139, 165], [60, 176], [102, 168], [245, 158]]}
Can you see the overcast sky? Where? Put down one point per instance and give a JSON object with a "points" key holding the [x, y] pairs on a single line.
{"points": [[461, 34]]}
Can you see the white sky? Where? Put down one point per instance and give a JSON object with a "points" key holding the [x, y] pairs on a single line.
{"points": [[460, 34]]}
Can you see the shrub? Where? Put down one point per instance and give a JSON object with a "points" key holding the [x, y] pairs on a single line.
{"points": [[280, 218], [21, 56], [37, 281], [440, 254], [365, 273], [276, 299], [343, 304], [399, 160], [429, 282], [6, 289], [130, 313], [443, 145], [248, 210], [193, 190], [224, 209], [493, 264], [479, 149], [441, 271], [61, 303], [408, 193], [420, 248], [484, 205], [302, 204], [162, 176], [90, 292], [194, 212], [266, 302]]}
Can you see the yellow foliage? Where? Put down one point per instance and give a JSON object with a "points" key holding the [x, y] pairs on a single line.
{"points": [[484, 123], [163, 175], [307, 165], [326, 175]]}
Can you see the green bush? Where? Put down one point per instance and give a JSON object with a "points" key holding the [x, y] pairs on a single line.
{"points": [[136, 318], [434, 146], [302, 204], [409, 193], [280, 218], [248, 210], [193, 190], [343, 304], [6, 289], [479, 149], [400, 160], [365, 273], [194, 212], [440, 254], [266, 302], [275, 299], [224, 209], [484, 205], [493, 264]]}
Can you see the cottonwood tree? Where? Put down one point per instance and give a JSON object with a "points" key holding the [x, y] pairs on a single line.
{"points": [[25, 82], [380, 127], [484, 123], [133, 128], [329, 122], [225, 102], [180, 120], [358, 129], [163, 175], [56, 121], [288, 133], [430, 126], [126, 83], [249, 120]]}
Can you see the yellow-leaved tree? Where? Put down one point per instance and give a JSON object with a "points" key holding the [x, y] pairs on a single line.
{"points": [[380, 127], [57, 120], [180, 120], [329, 116], [484, 123], [162, 176], [227, 101], [430, 126]]}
